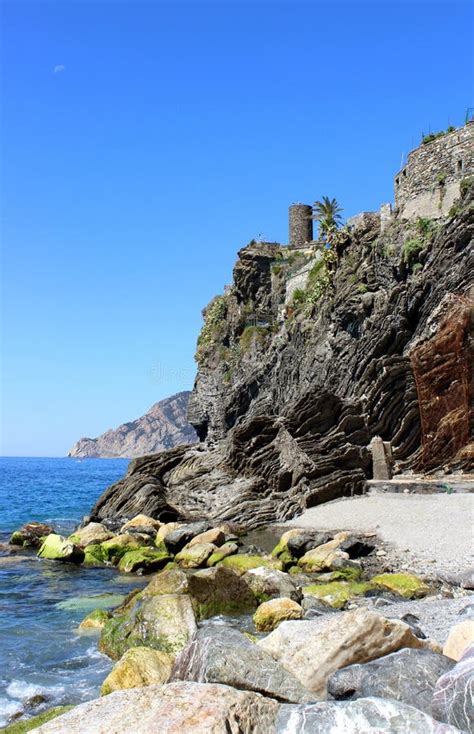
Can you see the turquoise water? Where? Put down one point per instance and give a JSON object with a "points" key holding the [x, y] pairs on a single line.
{"points": [[41, 602]]}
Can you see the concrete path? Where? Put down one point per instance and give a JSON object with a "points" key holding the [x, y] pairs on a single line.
{"points": [[433, 529]]}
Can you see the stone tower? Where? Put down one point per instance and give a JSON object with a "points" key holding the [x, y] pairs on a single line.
{"points": [[301, 225]]}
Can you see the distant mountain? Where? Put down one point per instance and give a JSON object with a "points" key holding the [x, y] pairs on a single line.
{"points": [[163, 427]]}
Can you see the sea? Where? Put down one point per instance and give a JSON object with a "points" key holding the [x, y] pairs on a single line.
{"points": [[44, 660]]}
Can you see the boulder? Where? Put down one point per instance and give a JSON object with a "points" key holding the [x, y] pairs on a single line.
{"points": [[214, 536], [95, 555], [266, 583], [169, 581], [96, 620], [337, 593], [166, 529], [271, 613], [324, 556], [403, 584], [407, 675], [143, 559], [281, 550], [244, 562], [460, 637], [177, 539], [452, 697], [219, 654], [175, 708], [138, 666], [228, 549], [356, 547], [117, 546], [91, 534], [141, 522], [314, 649], [31, 535], [364, 716], [305, 541], [164, 622], [220, 590], [57, 548], [195, 556]]}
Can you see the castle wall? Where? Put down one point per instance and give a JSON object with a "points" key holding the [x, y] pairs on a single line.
{"points": [[429, 183], [300, 278], [300, 224]]}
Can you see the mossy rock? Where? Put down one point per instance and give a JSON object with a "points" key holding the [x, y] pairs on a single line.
{"points": [[94, 555], [220, 590], [20, 727], [138, 667], [406, 585], [244, 562], [145, 559], [228, 549], [58, 548], [116, 547], [17, 538], [96, 620], [168, 581], [348, 573], [271, 613], [195, 556], [281, 550], [337, 593]]}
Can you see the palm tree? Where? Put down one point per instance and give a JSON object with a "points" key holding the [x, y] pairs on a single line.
{"points": [[328, 213]]}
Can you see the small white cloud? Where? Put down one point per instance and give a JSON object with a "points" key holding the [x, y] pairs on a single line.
{"points": [[59, 68]]}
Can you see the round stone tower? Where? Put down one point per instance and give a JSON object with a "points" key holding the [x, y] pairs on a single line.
{"points": [[301, 225]]}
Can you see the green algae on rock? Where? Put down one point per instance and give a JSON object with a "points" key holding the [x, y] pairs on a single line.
{"points": [[405, 584], [195, 556], [138, 666], [337, 593], [244, 562], [220, 590], [96, 620], [168, 581], [117, 546], [146, 559], [57, 548], [228, 549], [21, 727], [95, 555]]}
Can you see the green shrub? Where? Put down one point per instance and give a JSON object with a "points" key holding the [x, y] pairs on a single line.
{"points": [[276, 269], [416, 268], [362, 288], [299, 297], [214, 319], [454, 211], [252, 335], [412, 249], [424, 226], [441, 179], [466, 184], [432, 136]]}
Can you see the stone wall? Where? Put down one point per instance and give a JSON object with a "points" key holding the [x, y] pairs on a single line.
{"points": [[300, 278], [429, 183], [300, 224]]}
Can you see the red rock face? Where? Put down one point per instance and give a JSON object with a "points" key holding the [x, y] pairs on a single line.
{"points": [[442, 366]]}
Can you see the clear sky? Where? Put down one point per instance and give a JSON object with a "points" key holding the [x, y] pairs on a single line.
{"points": [[144, 143]]}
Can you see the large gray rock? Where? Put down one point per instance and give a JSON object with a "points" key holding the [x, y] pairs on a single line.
{"points": [[407, 675], [220, 654], [220, 590], [453, 695], [364, 716], [267, 583], [305, 541], [177, 539], [176, 708]]}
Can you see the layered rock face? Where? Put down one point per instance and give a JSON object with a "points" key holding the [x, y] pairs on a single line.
{"points": [[288, 397], [164, 426]]}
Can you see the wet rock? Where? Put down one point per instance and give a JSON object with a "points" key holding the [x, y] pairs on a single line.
{"points": [[93, 533], [143, 559], [228, 549], [36, 722], [138, 666], [95, 555], [195, 556], [163, 622], [377, 715], [404, 584], [57, 548], [266, 583], [31, 535], [220, 590], [271, 613], [460, 637], [452, 697], [314, 649], [177, 539], [219, 654], [96, 620], [408, 675], [243, 562], [176, 708]]}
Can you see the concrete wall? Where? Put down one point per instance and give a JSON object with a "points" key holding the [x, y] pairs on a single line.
{"points": [[429, 183]]}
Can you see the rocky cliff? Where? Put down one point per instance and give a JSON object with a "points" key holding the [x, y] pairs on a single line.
{"points": [[164, 426], [290, 391]]}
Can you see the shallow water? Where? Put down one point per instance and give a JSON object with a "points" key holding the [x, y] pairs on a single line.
{"points": [[42, 602]]}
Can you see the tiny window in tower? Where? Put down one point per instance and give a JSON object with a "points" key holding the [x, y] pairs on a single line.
{"points": [[404, 171], [460, 166], [397, 181]]}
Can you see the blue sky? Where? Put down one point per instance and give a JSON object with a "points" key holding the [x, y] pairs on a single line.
{"points": [[170, 136]]}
